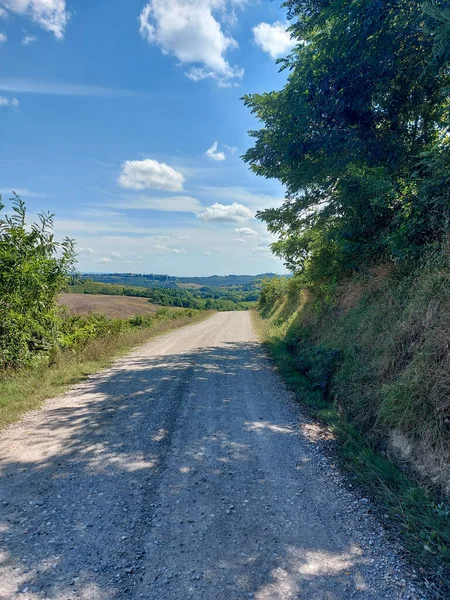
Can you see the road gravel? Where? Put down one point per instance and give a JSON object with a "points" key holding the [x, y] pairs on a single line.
{"points": [[185, 471]]}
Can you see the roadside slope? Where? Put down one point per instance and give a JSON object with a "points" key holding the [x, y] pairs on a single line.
{"points": [[185, 471]]}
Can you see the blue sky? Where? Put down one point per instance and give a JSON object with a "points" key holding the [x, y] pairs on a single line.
{"points": [[124, 118]]}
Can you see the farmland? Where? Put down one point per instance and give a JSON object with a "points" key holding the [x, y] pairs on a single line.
{"points": [[111, 306]]}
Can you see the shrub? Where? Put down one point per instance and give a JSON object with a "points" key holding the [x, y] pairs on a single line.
{"points": [[33, 270]]}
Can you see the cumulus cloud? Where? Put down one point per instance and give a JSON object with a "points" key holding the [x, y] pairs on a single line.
{"points": [[116, 255], [166, 250], [3, 38], [28, 40], [243, 196], [8, 101], [213, 154], [273, 39], [51, 15], [230, 213], [245, 231], [191, 30], [86, 251], [147, 174], [104, 260]]}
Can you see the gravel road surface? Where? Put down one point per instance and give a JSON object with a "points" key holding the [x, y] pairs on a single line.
{"points": [[185, 471]]}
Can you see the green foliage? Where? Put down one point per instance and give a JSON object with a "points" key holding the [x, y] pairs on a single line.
{"points": [[316, 363], [33, 270], [359, 135]]}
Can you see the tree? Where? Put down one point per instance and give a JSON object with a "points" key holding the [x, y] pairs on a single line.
{"points": [[33, 271], [356, 133]]}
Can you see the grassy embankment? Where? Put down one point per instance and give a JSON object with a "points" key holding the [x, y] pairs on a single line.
{"points": [[26, 389], [370, 358]]}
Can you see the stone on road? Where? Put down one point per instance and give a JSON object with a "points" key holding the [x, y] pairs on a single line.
{"points": [[184, 471]]}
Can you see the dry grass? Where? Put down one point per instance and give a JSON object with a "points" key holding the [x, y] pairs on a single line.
{"points": [[120, 307]]}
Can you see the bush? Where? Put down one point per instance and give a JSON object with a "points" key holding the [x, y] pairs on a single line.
{"points": [[77, 331], [318, 364], [33, 270]]}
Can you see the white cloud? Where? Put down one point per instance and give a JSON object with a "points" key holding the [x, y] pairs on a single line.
{"points": [[28, 40], [3, 38], [86, 251], [94, 227], [230, 213], [148, 173], [173, 204], [30, 86], [8, 101], [3, 13], [104, 260], [273, 39], [243, 196], [116, 255], [262, 248], [166, 250], [191, 31], [51, 15], [239, 240], [245, 231], [213, 154], [232, 149], [22, 192]]}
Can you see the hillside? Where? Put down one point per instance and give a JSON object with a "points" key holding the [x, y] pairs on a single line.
{"points": [[151, 280], [370, 358]]}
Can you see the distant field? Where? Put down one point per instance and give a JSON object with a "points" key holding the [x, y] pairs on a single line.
{"points": [[189, 286], [111, 306]]}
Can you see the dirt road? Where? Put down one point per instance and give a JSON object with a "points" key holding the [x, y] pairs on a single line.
{"points": [[185, 471]]}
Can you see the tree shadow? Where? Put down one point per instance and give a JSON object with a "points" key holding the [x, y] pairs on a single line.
{"points": [[170, 476]]}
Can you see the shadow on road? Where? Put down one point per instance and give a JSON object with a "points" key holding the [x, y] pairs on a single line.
{"points": [[91, 501]]}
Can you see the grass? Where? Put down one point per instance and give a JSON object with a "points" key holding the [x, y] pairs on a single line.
{"points": [[27, 389], [412, 513]]}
